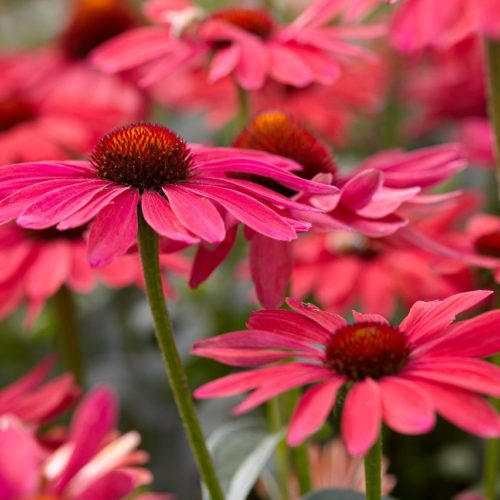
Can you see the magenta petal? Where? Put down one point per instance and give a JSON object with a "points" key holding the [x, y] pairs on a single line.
{"points": [[464, 409], [376, 318], [426, 319], [162, 219], [361, 417], [207, 258], [287, 67], [56, 205], [249, 211], [271, 266], [312, 411], [406, 408], [115, 485], [93, 420], [224, 62], [329, 321], [359, 190], [196, 213], [114, 230]]}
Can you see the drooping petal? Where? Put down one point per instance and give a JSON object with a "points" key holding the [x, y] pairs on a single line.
{"points": [[196, 213], [312, 411], [406, 408], [270, 266], [327, 320], [359, 190], [361, 417], [114, 230]]}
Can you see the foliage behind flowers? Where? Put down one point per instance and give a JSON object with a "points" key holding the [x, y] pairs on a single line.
{"points": [[208, 159]]}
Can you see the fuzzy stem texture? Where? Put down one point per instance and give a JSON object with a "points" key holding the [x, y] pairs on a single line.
{"points": [[492, 50], [148, 248], [373, 471], [65, 310]]}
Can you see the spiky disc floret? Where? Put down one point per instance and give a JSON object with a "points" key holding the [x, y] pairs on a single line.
{"points": [[255, 21], [367, 349], [142, 155], [279, 133], [94, 22]]}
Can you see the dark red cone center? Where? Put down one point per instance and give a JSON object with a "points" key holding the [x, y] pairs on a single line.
{"points": [[255, 21]]}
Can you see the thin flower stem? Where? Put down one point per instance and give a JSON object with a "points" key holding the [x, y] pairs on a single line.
{"points": [[275, 423], [492, 458], [243, 108], [65, 309], [492, 49], [373, 471], [148, 248], [302, 468]]}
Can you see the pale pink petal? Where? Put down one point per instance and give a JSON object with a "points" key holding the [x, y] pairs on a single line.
{"points": [[375, 318], [312, 411], [209, 257], [114, 230], [196, 213], [361, 417], [329, 321], [161, 218], [224, 62], [426, 319], [115, 485], [286, 67], [252, 65], [464, 409], [270, 266], [406, 408]]}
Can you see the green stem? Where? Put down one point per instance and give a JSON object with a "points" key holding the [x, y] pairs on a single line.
{"points": [[148, 248], [275, 422], [302, 468], [492, 49], [492, 457], [373, 472], [65, 309], [243, 108]]}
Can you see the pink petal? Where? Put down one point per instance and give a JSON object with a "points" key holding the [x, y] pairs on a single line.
{"points": [[51, 208], [327, 320], [287, 67], [406, 408], [224, 62], [464, 409], [161, 218], [92, 421], [288, 323], [208, 258], [270, 266], [237, 383], [359, 190], [427, 319], [196, 213], [375, 318], [115, 485], [252, 65], [249, 211], [114, 230], [361, 417], [312, 411]]}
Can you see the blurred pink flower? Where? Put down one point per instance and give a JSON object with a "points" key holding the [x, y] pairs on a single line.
{"points": [[243, 42], [372, 274], [477, 137], [39, 262], [184, 192], [483, 232], [401, 375], [34, 402], [94, 463]]}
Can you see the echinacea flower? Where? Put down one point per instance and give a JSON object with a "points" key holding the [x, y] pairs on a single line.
{"points": [[94, 462], [246, 43], [39, 262], [401, 375], [34, 401], [184, 192]]}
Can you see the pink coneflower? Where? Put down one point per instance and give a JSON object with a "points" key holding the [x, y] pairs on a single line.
{"points": [[40, 262], [94, 462], [374, 274], [246, 43], [184, 192], [401, 375], [34, 402]]}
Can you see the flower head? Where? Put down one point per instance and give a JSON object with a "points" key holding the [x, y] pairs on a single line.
{"points": [[401, 375], [184, 192], [245, 43]]}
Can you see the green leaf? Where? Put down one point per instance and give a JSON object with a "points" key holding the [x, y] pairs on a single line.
{"points": [[240, 451], [338, 494]]}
